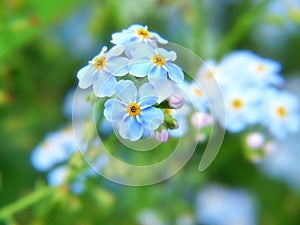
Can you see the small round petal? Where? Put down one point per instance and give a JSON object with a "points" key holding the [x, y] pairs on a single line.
{"points": [[114, 51], [136, 128], [152, 117], [168, 55], [158, 38], [126, 91], [140, 51], [118, 66], [85, 76], [140, 68], [114, 110], [147, 95], [104, 85], [175, 72]]}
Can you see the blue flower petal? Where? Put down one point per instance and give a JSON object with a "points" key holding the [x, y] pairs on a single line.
{"points": [[126, 91], [158, 71], [152, 117], [124, 129], [85, 76], [140, 68], [147, 95], [139, 51], [104, 85], [136, 129], [168, 55], [175, 72], [114, 110], [118, 66]]}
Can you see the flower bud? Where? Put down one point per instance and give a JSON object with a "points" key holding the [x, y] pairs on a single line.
{"points": [[255, 140], [162, 135], [176, 101], [200, 120]]}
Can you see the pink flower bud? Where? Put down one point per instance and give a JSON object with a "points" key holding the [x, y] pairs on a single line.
{"points": [[162, 135], [176, 101], [200, 120], [255, 140]]}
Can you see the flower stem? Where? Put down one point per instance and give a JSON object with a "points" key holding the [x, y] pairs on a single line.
{"points": [[8, 211]]}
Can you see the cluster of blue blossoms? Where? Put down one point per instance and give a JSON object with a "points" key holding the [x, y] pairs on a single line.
{"points": [[135, 111]]}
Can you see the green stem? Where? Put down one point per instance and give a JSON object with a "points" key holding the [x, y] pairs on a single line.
{"points": [[7, 211], [240, 29]]}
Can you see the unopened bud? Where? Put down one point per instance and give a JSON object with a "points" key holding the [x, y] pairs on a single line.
{"points": [[255, 140], [200, 120], [176, 101], [162, 135]]}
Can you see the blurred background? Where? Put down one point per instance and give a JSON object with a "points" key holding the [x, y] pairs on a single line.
{"points": [[42, 46]]}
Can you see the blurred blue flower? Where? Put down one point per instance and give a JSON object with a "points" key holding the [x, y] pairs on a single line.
{"points": [[137, 33], [149, 217], [282, 161], [280, 113], [56, 148], [242, 108], [133, 111], [101, 71], [245, 67], [217, 205], [154, 63]]}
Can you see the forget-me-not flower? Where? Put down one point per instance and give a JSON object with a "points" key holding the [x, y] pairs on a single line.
{"points": [[101, 71], [137, 33], [157, 64], [280, 113], [133, 111]]}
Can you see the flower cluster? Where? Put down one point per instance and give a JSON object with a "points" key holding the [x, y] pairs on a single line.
{"points": [[253, 95], [136, 57]]}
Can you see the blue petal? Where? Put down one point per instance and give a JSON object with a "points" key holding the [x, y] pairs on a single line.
{"points": [[140, 68], [114, 110], [104, 85], [126, 91], [158, 71], [168, 55], [136, 129], [118, 66], [152, 117], [175, 72], [139, 51], [147, 95], [85, 76]]}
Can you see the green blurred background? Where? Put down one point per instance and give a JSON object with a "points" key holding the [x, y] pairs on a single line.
{"points": [[44, 43]]}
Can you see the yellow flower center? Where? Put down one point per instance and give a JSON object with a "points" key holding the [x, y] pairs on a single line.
{"points": [[261, 68], [99, 63], [281, 112], [143, 33], [198, 92], [133, 109], [237, 104], [158, 60]]}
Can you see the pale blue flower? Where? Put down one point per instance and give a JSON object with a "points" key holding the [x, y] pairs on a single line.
{"points": [[101, 72], [137, 33], [242, 108], [282, 163], [56, 148], [157, 64], [247, 68], [133, 110], [280, 113], [217, 205]]}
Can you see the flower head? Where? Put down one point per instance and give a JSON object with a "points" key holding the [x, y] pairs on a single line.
{"points": [[157, 64], [133, 111], [137, 33], [280, 113], [101, 72]]}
